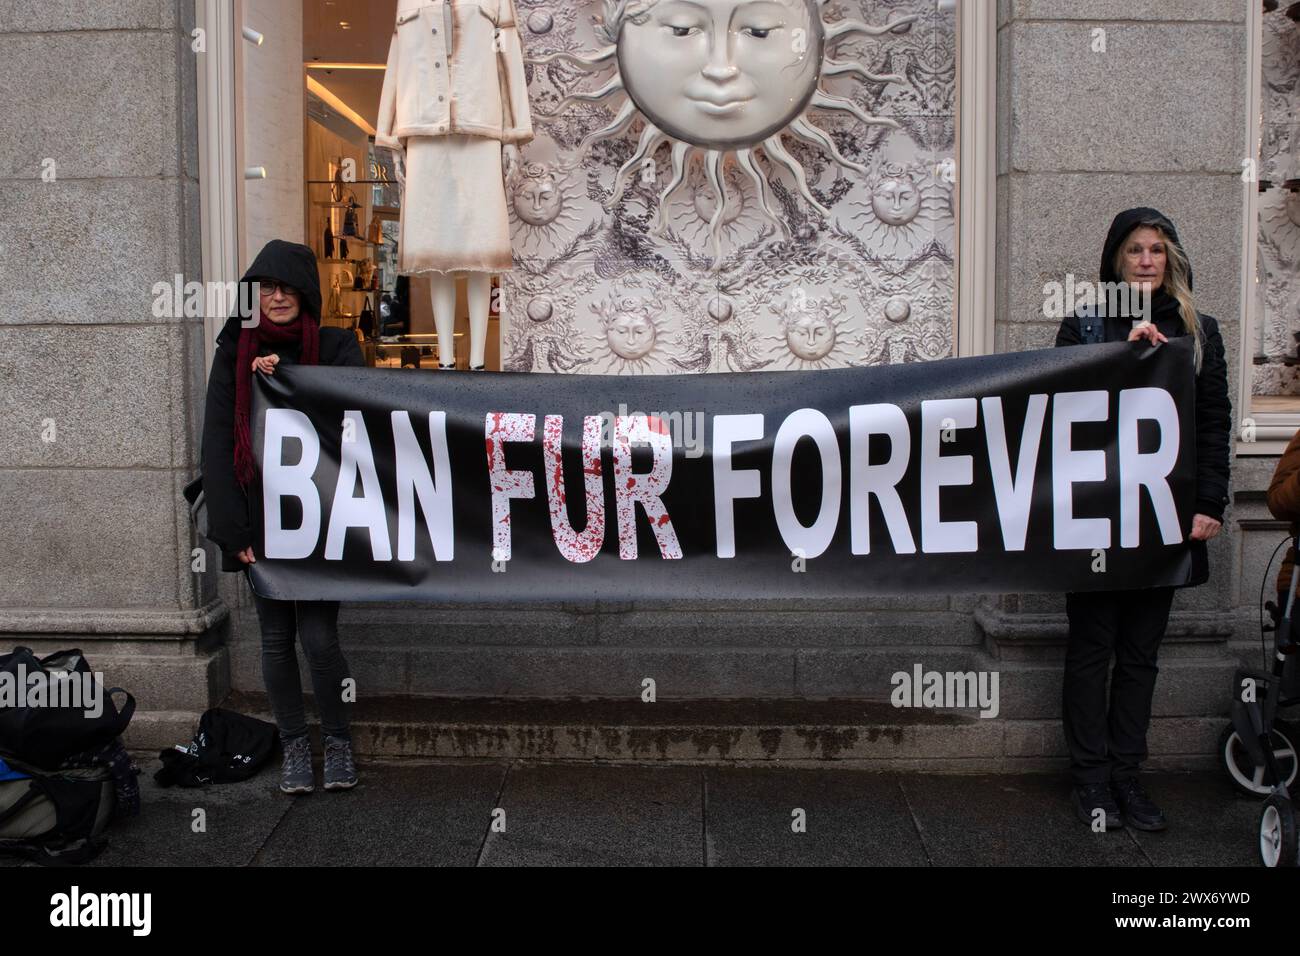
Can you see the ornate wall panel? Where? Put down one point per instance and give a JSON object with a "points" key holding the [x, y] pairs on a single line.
{"points": [[854, 266], [1279, 210]]}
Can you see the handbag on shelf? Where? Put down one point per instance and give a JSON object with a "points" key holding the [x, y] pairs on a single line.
{"points": [[350, 218]]}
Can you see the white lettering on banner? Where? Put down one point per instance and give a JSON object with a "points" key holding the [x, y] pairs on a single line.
{"points": [[501, 427], [881, 480], [938, 471], [1071, 467], [356, 457], [1014, 496], [290, 481], [729, 484], [414, 480], [425, 482], [647, 488], [1138, 471], [578, 547], [811, 541]]}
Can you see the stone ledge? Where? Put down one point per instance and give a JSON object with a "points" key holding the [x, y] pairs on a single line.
{"points": [[734, 733], [90, 622], [1032, 628]]}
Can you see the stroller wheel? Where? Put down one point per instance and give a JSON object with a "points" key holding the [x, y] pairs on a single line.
{"points": [[1251, 778], [1277, 834]]}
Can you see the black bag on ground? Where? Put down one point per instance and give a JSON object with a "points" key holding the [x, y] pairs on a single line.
{"points": [[228, 748], [55, 817], [47, 735]]}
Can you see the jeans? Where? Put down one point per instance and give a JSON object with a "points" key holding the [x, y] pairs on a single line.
{"points": [[1109, 741], [316, 626]]}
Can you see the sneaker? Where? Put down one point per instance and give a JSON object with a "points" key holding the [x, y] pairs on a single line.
{"points": [[295, 773], [1139, 812], [1089, 797], [340, 772]]}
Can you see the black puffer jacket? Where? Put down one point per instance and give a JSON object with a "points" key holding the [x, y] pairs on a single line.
{"points": [[231, 525], [1213, 407]]}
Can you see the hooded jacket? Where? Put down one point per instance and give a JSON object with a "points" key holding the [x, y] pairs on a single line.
{"points": [[1213, 412], [230, 521], [454, 66]]}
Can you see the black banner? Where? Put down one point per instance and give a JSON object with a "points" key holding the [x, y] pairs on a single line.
{"points": [[1054, 470]]}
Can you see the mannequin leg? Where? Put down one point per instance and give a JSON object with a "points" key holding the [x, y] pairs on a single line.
{"points": [[479, 288], [443, 287]]}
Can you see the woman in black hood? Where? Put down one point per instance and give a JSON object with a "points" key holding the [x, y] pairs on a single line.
{"points": [[287, 331], [1108, 744]]}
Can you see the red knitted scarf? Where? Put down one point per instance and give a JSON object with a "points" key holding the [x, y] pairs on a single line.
{"points": [[306, 329]]}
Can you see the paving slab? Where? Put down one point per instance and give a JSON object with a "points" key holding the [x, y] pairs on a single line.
{"points": [[599, 816], [1210, 824], [999, 820], [850, 818], [398, 815], [236, 819], [440, 813]]}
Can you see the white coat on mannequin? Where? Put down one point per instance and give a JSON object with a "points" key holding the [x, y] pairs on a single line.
{"points": [[454, 99]]}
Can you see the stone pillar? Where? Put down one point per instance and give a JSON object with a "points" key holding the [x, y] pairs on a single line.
{"points": [[98, 409], [1104, 105]]}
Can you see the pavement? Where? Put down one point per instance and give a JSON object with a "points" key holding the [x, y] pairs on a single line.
{"points": [[528, 813]]}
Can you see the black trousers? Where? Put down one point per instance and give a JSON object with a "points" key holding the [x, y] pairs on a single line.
{"points": [[314, 625], [1109, 740]]}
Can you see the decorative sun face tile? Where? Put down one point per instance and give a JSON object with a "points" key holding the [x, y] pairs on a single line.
{"points": [[629, 338], [814, 330], [902, 210], [543, 206]]}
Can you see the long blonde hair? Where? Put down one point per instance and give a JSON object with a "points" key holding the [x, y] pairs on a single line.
{"points": [[1177, 284]]}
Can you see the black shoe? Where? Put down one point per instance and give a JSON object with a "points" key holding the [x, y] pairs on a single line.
{"points": [[478, 368], [1139, 812], [1089, 797]]}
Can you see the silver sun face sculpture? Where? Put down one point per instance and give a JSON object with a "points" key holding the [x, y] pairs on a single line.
{"points": [[899, 217], [541, 206], [718, 80], [629, 335], [813, 332]]}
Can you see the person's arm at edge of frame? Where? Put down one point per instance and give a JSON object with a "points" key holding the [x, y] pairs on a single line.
{"points": [[227, 504]]}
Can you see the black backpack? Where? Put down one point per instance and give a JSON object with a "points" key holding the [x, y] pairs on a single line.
{"points": [[55, 817], [229, 747], [46, 736]]}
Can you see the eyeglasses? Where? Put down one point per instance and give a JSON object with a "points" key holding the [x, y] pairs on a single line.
{"points": [[268, 288]]}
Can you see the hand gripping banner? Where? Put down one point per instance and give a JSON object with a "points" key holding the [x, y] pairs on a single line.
{"points": [[1065, 469]]}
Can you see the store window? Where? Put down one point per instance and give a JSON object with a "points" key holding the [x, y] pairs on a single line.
{"points": [[803, 211]]}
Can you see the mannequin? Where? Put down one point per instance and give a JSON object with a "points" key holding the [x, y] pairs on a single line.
{"points": [[478, 289], [453, 106]]}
